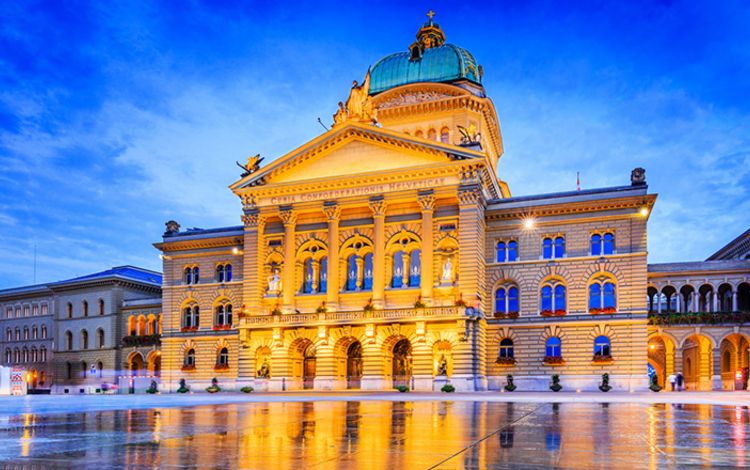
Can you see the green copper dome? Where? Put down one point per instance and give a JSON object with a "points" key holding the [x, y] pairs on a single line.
{"points": [[445, 63], [429, 59]]}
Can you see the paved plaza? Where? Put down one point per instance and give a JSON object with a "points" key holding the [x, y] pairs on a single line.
{"points": [[358, 430]]}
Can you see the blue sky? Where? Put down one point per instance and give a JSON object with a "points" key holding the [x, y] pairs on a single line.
{"points": [[115, 118]]}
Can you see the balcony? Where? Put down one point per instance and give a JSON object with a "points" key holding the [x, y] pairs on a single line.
{"points": [[698, 318], [374, 316], [141, 341]]}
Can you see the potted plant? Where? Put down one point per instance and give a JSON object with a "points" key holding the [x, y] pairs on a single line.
{"points": [[505, 361], [553, 360], [604, 387], [183, 387], [247, 389], [513, 315], [402, 388], [276, 310], [555, 385], [154, 388], [214, 386], [500, 315], [602, 358], [188, 367], [560, 312], [221, 367], [419, 303], [509, 385], [460, 302], [448, 388], [321, 308], [546, 313]]}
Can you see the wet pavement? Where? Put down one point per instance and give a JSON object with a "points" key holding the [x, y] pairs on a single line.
{"points": [[382, 434]]}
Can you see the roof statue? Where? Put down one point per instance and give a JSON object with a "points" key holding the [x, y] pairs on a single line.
{"points": [[358, 106], [253, 163], [469, 136]]}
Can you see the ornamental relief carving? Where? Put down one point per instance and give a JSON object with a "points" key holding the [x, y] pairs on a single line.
{"points": [[414, 97]]}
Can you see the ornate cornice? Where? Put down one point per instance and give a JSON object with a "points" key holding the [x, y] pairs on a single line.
{"points": [[252, 219], [470, 196], [377, 205]]}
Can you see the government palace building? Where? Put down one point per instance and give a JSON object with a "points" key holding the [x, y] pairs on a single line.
{"points": [[388, 251]]}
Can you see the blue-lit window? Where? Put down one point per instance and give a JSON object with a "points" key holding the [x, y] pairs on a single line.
{"points": [[307, 284], [602, 346], [506, 348], [546, 298], [547, 248], [553, 298], [414, 269], [609, 295], [196, 275], [609, 244], [602, 295], [595, 296], [596, 244], [397, 275], [500, 252], [602, 244], [351, 273], [513, 299], [500, 301], [228, 272], [559, 247], [560, 297], [553, 347], [506, 299], [367, 279], [323, 284], [512, 251]]}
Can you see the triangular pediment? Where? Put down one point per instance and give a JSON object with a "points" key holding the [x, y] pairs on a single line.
{"points": [[356, 149]]}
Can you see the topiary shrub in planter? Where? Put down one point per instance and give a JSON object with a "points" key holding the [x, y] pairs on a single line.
{"points": [[247, 389], [655, 383], [555, 385], [448, 388], [402, 388], [214, 386], [183, 387], [604, 387], [509, 386], [154, 388]]}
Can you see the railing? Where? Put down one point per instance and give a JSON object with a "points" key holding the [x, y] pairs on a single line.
{"points": [[142, 340], [698, 318], [336, 317]]}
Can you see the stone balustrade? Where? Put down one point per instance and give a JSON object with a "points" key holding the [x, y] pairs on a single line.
{"points": [[387, 315]]}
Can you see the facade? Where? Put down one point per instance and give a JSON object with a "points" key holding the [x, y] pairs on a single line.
{"points": [[388, 254], [70, 334]]}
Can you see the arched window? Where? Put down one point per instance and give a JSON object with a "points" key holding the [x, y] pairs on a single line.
{"points": [[191, 317], [17, 356], [506, 251], [100, 338], [100, 367], [220, 273], [43, 354], [70, 310], [223, 359], [547, 248], [35, 310], [68, 370], [602, 245], [132, 331], [84, 369], [34, 332], [444, 135], [506, 348], [323, 284], [84, 339], [26, 332], [85, 308], [34, 354], [553, 347], [414, 268], [559, 247], [44, 332], [224, 315], [602, 298], [602, 347], [307, 284], [18, 334], [432, 134], [101, 306], [419, 133], [68, 340], [45, 309], [9, 334], [187, 275], [609, 244], [190, 358], [351, 273], [553, 299], [506, 301], [8, 356], [596, 244], [196, 275], [397, 276], [25, 354], [367, 281]]}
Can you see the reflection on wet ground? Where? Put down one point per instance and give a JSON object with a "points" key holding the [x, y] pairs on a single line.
{"points": [[374, 435]]}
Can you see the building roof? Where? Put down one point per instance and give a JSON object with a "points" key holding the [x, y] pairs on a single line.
{"points": [[568, 197], [737, 248], [198, 233], [129, 273], [693, 266]]}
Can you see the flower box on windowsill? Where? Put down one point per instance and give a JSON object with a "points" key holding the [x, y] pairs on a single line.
{"points": [[188, 329], [554, 361], [503, 315], [560, 313], [605, 310], [546, 313], [506, 361], [222, 327], [221, 367], [187, 368], [600, 359]]}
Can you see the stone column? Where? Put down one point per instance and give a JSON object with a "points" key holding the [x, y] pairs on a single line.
{"points": [[377, 205], [658, 302], [716, 301], [679, 302], [324, 367], [427, 281], [717, 383], [374, 362], [289, 288], [253, 284], [696, 302], [333, 212], [470, 261], [734, 301]]}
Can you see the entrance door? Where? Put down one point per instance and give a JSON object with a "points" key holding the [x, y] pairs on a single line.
{"points": [[308, 368], [402, 363], [354, 365]]}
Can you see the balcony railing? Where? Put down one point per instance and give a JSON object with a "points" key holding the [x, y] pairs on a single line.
{"points": [[360, 316], [698, 318], [141, 340]]}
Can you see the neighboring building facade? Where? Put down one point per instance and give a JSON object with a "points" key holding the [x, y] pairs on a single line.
{"points": [[70, 335], [375, 256], [141, 324]]}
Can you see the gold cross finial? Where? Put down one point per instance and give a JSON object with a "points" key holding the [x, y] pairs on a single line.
{"points": [[430, 14]]}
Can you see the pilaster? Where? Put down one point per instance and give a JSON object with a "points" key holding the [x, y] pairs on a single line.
{"points": [[471, 266], [378, 205], [252, 268], [289, 218], [427, 203], [333, 213]]}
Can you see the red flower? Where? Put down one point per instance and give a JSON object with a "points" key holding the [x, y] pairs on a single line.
{"points": [[553, 360]]}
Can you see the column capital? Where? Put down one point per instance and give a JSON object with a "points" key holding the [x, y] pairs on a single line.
{"points": [[288, 216], [426, 200], [378, 205], [469, 196], [249, 202], [332, 210], [252, 218]]}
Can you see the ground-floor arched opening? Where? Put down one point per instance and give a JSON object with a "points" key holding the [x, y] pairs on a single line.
{"points": [[154, 363], [402, 363], [354, 365], [135, 364], [734, 356], [697, 363], [659, 351]]}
